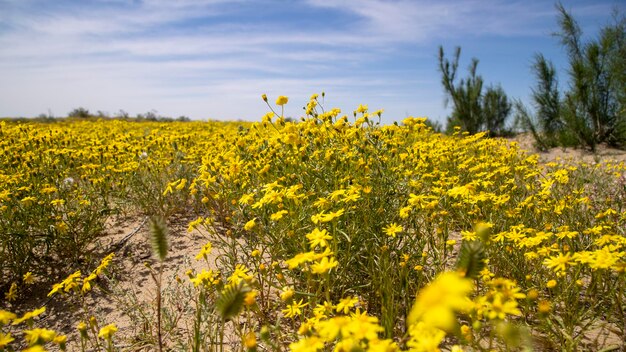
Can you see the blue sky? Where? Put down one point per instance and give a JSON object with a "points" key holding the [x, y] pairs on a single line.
{"points": [[212, 59]]}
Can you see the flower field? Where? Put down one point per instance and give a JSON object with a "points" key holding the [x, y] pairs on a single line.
{"points": [[330, 233]]}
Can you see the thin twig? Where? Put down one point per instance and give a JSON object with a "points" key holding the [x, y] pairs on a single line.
{"points": [[119, 245]]}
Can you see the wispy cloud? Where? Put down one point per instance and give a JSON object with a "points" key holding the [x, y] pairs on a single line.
{"points": [[215, 57], [407, 20]]}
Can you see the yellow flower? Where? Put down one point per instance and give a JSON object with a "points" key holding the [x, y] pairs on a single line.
{"points": [[392, 229], [39, 336], [240, 273], [267, 118], [250, 225], [559, 262], [551, 284], [405, 211], [57, 202], [207, 278], [466, 331], [104, 264], [205, 251], [326, 217], [278, 215], [436, 304], [87, 282], [70, 282], [544, 307], [194, 224], [287, 293], [27, 200], [182, 184], [321, 310], [107, 332], [246, 199], [604, 258], [499, 309], [307, 344], [281, 100], [324, 265], [29, 278], [5, 339], [12, 294], [294, 309], [6, 317], [425, 337], [250, 298], [250, 340], [300, 258], [345, 304], [29, 315], [60, 339], [82, 326], [318, 237]]}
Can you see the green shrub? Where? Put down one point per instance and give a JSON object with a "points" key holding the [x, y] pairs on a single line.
{"points": [[473, 110], [593, 110]]}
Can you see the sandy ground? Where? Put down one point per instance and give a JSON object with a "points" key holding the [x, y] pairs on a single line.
{"points": [[129, 284], [603, 154], [129, 238]]}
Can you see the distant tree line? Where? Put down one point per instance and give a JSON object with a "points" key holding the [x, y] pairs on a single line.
{"points": [[592, 110], [151, 115]]}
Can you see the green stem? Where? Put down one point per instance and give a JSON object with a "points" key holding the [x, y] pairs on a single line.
{"points": [[159, 335], [222, 335]]}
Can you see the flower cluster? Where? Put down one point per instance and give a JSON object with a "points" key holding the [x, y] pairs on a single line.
{"points": [[335, 231]]}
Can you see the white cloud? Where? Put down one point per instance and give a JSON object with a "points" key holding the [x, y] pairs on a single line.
{"points": [[423, 21], [197, 57]]}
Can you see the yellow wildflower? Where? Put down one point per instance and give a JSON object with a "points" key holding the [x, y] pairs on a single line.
{"points": [[392, 229], [250, 340], [39, 336], [29, 278], [345, 304], [11, 295], [6, 317], [318, 237], [250, 298], [281, 100], [250, 225], [435, 305], [278, 215], [29, 315], [286, 293], [205, 251], [5, 339], [207, 278], [559, 262], [294, 309], [107, 332], [324, 265]]}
